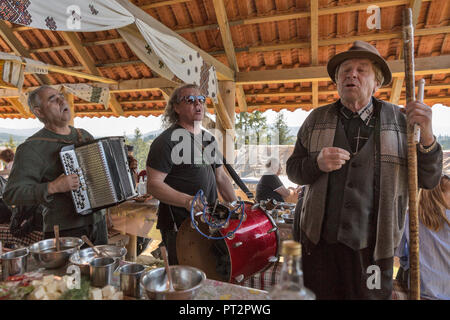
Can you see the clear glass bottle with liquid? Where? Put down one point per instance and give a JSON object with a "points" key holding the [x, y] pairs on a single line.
{"points": [[290, 285]]}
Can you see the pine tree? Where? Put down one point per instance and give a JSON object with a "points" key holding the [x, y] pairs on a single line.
{"points": [[281, 129], [252, 127]]}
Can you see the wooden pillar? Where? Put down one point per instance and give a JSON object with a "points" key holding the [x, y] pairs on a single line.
{"points": [[227, 91]]}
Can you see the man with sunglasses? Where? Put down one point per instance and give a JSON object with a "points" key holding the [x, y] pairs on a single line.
{"points": [[182, 161], [37, 176]]}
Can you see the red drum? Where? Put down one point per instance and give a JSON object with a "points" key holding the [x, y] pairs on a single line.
{"points": [[251, 249]]}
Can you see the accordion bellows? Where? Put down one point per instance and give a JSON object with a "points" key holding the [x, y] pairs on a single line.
{"points": [[105, 177]]}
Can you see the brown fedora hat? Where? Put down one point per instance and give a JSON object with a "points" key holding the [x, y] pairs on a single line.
{"points": [[360, 50]]}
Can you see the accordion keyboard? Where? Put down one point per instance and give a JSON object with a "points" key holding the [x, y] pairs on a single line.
{"points": [[71, 166]]}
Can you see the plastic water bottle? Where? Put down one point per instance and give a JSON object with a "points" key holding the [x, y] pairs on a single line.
{"points": [[290, 286]]}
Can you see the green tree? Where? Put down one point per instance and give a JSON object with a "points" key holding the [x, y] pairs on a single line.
{"points": [[281, 129], [141, 148], [250, 126], [11, 143]]}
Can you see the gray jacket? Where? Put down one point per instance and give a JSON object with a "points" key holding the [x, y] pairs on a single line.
{"points": [[318, 132]]}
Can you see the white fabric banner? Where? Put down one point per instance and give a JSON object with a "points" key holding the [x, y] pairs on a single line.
{"points": [[163, 53], [66, 15], [186, 63], [89, 93]]}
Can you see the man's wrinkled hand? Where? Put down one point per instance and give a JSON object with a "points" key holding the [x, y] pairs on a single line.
{"points": [[64, 183], [332, 158]]}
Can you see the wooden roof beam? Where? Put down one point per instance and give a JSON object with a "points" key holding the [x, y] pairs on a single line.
{"points": [[83, 56], [314, 27], [397, 82], [223, 71], [23, 110], [429, 65], [227, 40], [19, 49]]}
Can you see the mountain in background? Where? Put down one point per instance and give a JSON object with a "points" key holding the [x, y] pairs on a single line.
{"points": [[18, 135]]}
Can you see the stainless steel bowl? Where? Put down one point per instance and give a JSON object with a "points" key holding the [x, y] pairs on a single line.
{"points": [[14, 262], [45, 254], [83, 257], [187, 281]]}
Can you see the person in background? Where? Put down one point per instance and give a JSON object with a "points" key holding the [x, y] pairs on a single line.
{"points": [[7, 156], [270, 185], [37, 176], [434, 243], [132, 163]]}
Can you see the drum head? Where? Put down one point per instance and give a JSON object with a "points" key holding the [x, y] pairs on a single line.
{"points": [[209, 255]]}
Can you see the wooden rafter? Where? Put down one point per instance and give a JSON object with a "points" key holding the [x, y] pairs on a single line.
{"points": [[19, 49], [314, 27], [397, 82], [86, 60], [227, 40], [429, 65], [223, 71]]}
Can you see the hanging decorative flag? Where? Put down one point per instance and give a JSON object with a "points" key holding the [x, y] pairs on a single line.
{"points": [[12, 74], [89, 93]]}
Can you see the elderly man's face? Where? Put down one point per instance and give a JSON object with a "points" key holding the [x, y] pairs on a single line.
{"points": [[54, 108], [189, 112], [356, 80]]}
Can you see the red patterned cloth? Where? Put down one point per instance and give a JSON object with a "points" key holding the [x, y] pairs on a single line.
{"points": [[264, 280], [8, 240]]}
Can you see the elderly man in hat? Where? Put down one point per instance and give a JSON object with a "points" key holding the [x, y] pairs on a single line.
{"points": [[352, 155], [37, 176]]}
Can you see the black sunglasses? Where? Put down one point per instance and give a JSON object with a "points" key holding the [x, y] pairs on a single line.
{"points": [[192, 99]]}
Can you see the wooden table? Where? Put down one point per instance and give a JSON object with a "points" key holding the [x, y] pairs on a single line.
{"points": [[210, 290], [136, 219]]}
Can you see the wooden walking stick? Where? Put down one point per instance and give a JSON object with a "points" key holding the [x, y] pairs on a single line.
{"points": [[413, 137]]}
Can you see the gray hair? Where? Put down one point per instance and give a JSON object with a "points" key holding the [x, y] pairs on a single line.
{"points": [[170, 117], [379, 77], [273, 164], [34, 99]]}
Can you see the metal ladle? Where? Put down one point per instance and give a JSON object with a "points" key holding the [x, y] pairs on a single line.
{"points": [[97, 252], [56, 230]]}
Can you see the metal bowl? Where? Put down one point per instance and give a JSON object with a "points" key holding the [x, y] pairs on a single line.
{"points": [[187, 281], [83, 257], [14, 262], [45, 254]]}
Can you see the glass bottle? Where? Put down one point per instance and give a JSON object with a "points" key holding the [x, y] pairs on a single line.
{"points": [[290, 286]]}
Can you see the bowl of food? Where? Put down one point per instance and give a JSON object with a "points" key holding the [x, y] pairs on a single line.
{"points": [[83, 257], [187, 281], [46, 255]]}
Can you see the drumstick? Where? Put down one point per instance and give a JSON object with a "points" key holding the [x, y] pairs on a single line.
{"points": [[215, 205]]}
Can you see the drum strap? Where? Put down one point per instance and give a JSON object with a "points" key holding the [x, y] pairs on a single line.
{"points": [[237, 179]]}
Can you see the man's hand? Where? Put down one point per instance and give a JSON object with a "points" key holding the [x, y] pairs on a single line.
{"points": [[198, 205], [332, 158], [64, 183], [419, 113]]}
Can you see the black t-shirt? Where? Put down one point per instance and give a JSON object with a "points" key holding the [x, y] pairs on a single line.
{"points": [[189, 162], [266, 186]]}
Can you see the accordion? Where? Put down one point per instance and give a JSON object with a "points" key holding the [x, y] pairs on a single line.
{"points": [[102, 167]]}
